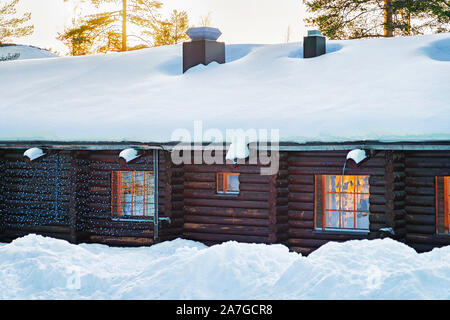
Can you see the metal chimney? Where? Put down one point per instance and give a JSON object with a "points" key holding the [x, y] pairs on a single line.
{"points": [[314, 44], [203, 49]]}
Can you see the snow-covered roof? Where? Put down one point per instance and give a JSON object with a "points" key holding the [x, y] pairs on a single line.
{"points": [[24, 52], [395, 89]]}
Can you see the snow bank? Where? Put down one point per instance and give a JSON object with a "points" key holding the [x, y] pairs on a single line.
{"points": [[393, 89], [35, 267], [26, 52]]}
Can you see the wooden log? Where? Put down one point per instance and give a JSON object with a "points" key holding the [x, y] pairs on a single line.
{"points": [[427, 239], [301, 206], [420, 210], [302, 224], [422, 201], [302, 215], [301, 188], [301, 197], [228, 203], [419, 181], [218, 238], [226, 220], [226, 229], [211, 194], [335, 171], [212, 168], [122, 241], [302, 250], [227, 212], [294, 179]]}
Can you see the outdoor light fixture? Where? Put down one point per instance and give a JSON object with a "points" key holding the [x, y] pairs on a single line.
{"points": [[357, 155], [128, 155], [33, 154], [238, 150]]}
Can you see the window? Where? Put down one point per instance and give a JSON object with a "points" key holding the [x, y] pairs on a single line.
{"points": [[227, 183], [133, 194], [342, 202], [442, 205]]}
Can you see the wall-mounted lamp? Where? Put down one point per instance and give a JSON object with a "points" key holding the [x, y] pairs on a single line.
{"points": [[238, 150], [357, 155], [128, 155], [32, 154]]}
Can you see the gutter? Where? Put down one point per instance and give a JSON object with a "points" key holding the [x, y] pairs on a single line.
{"points": [[283, 146]]}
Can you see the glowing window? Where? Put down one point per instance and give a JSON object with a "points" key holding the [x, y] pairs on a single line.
{"points": [[227, 182], [442, 205], [342, 202], [133, 194]]}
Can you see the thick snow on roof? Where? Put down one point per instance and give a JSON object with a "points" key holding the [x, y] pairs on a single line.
{"points": [[395, 89], [26, 52]]}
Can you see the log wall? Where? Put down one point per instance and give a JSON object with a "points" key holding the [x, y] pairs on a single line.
{"points": [[95, 220], [253, 215], [35, 197], [421, 170], [67, 195]]}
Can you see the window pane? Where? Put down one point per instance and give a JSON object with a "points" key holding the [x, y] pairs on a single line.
{"points": [[332, 219], [362, 220], [126, 205], [362, 184], [347, 201], [347, 220], [332, 183], [362, 202], [348, 184], [233, 183], [332, 200]]}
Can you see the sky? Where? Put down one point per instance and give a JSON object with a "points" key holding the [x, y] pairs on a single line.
{"points": [[241, 21]]}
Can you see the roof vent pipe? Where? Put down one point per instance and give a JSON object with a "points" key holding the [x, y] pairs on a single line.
{"points": [[203, 49], [314, 44]]}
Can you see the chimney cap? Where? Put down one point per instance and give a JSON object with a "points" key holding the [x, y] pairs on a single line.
{"points": [[314, 33], [204, 33]]}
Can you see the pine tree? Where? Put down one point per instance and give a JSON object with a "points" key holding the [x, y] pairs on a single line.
{"points": [[94, 34], [348, 19], [13, 27], [142, 13], [173, 30], [105, 32]]}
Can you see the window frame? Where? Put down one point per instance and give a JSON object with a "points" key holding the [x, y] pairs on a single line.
{"points": [[115, 198], [320, 205], [442, 194], [225, 176]]}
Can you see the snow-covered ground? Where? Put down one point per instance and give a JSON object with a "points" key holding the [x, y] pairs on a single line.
{"points": [[35, 267], [395, 89], [26, 52]]}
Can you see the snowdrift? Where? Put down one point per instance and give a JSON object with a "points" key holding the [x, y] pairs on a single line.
{"points": [[35, 267], [26, 52], [393, 89]]}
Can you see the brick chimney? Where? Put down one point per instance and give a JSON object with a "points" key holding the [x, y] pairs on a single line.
{"points": [[203, 49], [314, 44]]}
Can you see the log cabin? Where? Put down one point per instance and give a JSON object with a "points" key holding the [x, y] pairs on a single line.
{"points": [[88, 158]]}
